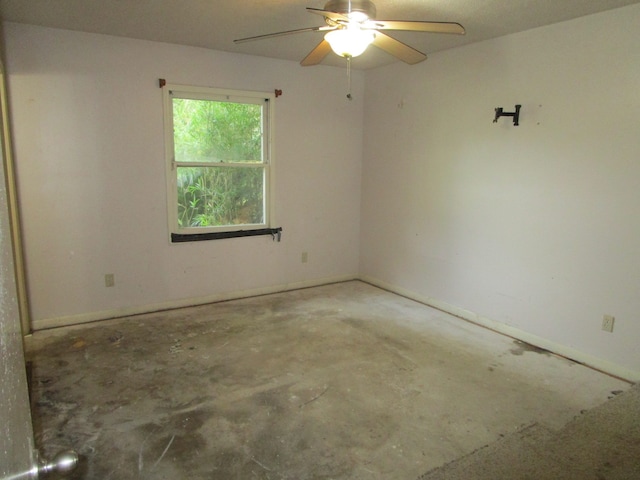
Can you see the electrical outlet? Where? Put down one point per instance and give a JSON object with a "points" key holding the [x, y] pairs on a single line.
{"points": [[109, 280], [305, 257], [607, 323]]}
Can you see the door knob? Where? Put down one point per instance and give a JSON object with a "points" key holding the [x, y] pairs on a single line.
{"points": [[63, 463]]}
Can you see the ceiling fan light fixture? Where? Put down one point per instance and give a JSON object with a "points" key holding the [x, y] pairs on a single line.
{"points": [[351, 26], [349, 42]]}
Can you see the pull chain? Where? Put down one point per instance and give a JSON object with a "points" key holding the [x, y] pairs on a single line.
{"points": [[348, 57], [349, 77]]}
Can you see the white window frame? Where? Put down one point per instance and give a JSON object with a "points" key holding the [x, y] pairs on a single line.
{"points": [[169, 91]]}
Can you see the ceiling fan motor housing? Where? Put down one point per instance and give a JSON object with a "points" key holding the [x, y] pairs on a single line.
{"points": [[346, 7]]}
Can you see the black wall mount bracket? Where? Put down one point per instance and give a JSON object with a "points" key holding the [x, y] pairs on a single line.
{"points": [[502, 113]]}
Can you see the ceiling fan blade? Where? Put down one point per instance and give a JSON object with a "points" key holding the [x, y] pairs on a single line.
{"points": [[336, 17], [398, 49], [416, 26], [317, 54], [281, 34]]}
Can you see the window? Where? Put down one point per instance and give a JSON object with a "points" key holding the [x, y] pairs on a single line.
{"points": [[219, 166]]}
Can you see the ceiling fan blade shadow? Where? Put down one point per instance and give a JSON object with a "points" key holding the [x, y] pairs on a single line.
{"points": [[416, 26], [336, 17], [317, 54], [398, 49], [282, 34]]}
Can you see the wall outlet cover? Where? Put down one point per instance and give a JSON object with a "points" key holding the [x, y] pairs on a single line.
{"points": [[607, 323]]}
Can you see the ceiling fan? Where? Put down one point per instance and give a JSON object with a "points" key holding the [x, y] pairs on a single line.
{"points": [[351, 27]]}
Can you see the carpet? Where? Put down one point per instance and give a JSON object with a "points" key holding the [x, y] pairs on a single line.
{"points": [[600, 444]]}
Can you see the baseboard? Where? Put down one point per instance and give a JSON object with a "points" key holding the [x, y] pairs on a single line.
{"points": [[583, 358], [591, 361], [66, 321]]}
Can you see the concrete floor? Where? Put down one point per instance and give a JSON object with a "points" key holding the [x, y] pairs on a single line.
{"points": [[343, 381]]}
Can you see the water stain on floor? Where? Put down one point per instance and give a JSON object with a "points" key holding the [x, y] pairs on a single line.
{"points": [[523, 347]]}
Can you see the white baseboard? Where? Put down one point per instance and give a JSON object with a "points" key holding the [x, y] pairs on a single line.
{"points": [[187, 302], [583, 358], [591, 361]]}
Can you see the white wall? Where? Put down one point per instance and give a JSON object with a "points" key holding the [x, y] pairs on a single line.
{"points": [[88, 131], [533, 230]]}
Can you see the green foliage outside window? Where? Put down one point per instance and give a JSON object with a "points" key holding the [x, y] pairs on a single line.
{"points": [[224, 141]]}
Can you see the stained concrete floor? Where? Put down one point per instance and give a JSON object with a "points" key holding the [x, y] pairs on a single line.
{"points": [[344, 381]]}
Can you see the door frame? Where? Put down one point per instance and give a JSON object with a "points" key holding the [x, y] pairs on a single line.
{"points": [[12, 200], [18, 455]]}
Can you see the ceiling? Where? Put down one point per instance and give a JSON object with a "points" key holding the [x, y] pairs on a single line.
{"points": [[215, 24]]}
